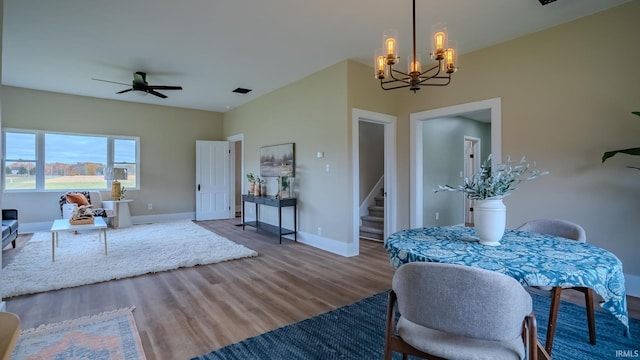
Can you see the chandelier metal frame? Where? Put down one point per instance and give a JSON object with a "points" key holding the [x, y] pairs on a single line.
{"points": [[433, 76]]}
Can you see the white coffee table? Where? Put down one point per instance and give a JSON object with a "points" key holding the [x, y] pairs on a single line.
{"points": [[64, 225]]}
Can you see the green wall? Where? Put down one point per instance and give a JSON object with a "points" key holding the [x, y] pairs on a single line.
{"points": [[443, 162]]}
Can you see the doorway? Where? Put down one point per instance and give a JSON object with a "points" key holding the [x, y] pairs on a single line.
{"points": [[236, 152], [418, 120], [388, 123]]}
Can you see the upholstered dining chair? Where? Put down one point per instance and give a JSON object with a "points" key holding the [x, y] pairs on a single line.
{"points": [[459, 312], [9, 333], [572, 231]]}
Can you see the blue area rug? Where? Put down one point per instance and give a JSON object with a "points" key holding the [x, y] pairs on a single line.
{"points": [[356, 331]]}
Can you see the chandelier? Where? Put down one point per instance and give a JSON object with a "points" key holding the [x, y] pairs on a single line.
{"points": [[436, 75]]}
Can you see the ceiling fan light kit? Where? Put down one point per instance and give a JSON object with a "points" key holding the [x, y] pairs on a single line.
{"points": [[141, 87], [443, 51]]}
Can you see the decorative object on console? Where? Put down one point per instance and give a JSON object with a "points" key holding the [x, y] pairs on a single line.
{"points": [[488, 187], [113, 175], [252, 181], [273, 158], [441, 51], [259, 184], [285, 185]]}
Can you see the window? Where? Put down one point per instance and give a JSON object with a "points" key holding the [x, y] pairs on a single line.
{"points": [[21, 154], [38, 160], [124, 155]]}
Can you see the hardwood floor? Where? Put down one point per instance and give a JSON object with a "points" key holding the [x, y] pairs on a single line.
{"points": [[188, 312]]}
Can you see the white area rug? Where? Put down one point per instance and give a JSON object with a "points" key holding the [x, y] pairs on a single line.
{"points": [[133, 251]]}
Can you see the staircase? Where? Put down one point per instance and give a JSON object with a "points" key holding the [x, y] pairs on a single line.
{"points": [[372, 227]]}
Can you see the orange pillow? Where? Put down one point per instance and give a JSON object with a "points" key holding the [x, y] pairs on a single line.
{"points": [[77, 198]]}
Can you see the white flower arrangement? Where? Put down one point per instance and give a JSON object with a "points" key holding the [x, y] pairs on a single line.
{"points": [[495, 183]]}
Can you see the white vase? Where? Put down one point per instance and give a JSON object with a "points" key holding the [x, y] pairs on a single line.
{"points": [[490, 218]]}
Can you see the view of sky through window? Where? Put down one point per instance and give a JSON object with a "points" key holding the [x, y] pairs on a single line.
{"points": [[70, 161]]}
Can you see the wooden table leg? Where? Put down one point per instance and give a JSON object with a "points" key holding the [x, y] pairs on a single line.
{"points": [[556, 294], [53, 247]]}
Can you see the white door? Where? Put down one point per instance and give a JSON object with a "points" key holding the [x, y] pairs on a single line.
{"points": [[212, 180]]}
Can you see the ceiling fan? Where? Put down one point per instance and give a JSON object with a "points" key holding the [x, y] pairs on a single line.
{"points": [[140, 84]]}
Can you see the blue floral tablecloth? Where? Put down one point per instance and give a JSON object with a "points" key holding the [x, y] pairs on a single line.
{"points": [[532, 259]]}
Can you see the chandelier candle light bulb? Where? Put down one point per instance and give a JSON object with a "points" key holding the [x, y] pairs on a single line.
{"points": [[440, 40], [381, 62], [450, 58], [389, 38], [414, 66]]}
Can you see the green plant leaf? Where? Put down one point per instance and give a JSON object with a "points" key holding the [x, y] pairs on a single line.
{"points": [[630, 151]]}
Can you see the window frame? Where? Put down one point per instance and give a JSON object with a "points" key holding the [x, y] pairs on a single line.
{"points": [[40, 158]]}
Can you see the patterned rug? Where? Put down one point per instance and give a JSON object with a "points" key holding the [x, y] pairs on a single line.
{"points": [[110, 336], [356, 332]]}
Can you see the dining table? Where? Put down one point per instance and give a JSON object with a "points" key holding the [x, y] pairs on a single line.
{"points": [[533, 259]]}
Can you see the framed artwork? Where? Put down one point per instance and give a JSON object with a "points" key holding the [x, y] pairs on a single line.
{"points": [[275, 159]]}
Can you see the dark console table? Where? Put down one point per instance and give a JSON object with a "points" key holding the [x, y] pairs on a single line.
{"points": [[274, 202]]}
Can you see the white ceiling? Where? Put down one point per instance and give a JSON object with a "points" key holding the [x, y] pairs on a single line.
{"points": [[210, 47]]}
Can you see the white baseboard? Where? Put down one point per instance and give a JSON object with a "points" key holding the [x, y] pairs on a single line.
{"points": [[632, 285], [146, 219], [327, 244], [322, 243]]}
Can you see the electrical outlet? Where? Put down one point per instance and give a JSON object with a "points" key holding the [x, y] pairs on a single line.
{"points": [[319, 231], [149, 206], [437, 215]]}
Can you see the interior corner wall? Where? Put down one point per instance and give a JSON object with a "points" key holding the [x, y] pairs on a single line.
{"points": [[167, 146], [312, 113], [564, 102]]}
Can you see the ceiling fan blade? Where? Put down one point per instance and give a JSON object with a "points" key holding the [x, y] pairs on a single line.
{"points": [[164, 87], [113, 82], [153, 92], [124, 91]]}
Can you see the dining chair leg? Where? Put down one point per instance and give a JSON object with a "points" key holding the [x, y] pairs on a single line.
{"points": [[556, 295], [389, 325], [591, 320]]}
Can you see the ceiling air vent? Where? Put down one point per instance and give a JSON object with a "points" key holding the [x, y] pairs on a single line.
{"points": [[545, 2], [241, 90]]}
